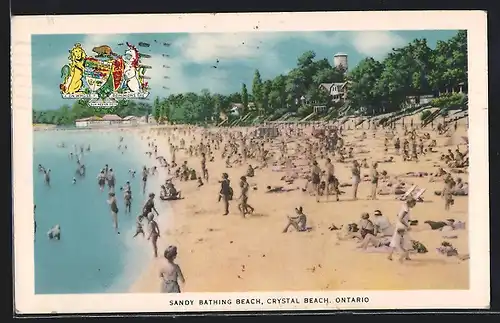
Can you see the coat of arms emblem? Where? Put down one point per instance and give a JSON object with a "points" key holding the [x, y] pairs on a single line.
{"points": [[105, 77]]}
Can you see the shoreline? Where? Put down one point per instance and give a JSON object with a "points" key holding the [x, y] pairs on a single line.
{"points": [[251, 254]]}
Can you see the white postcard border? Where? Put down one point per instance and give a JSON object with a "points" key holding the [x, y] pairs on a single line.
{"points": [[26, 302]]}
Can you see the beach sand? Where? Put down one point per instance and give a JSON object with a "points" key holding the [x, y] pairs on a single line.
{"points": [[234, 254]]}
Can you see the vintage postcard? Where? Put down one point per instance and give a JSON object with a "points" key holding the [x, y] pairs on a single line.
{"points": [[236, 162]]}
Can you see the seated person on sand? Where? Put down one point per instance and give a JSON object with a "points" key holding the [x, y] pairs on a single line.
{"points": [[358, 230], [192, 175], [298, 222], [250, 171], [364, 163], [169, 192], [200, 182], [382, 234], [228, 162]]}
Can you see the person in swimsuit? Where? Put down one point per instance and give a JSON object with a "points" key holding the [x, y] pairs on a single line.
{"points": [[400, 239], [47, 177], [114, 209], [356, 178], [332, 182], [110, 178], [138, 227], [101, 180], [145, 174], [204, 169], [170, 272], [149, 206], [243, 206], [374, 180], [127, 197], [154, 233], [316, 179], [54, 233]]}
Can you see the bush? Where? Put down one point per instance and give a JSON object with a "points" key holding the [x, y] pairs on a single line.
{"points": [[425, 114], [449, 100], [304, 111]]}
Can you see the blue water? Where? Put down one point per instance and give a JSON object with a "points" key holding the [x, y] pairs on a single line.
{"points": [[90, 257]]}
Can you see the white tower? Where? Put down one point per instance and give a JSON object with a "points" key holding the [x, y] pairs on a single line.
{"points": [[340, 61]]}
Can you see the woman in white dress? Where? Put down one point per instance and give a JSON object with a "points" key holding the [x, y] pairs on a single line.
{"points": [[401, 239]]}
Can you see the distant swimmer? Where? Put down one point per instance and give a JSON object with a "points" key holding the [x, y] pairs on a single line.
{"points": [[47, 177], [101, 180], [132, 173], [88, 148], [114, 210], [54, 232], [74, 180]]}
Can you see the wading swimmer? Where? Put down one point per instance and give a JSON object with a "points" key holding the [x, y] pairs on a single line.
{"points": [[170, 272], [145, 174], [154, 232], [54, 233], [101, 180], [47, 177], [138, 227], [149, 206], [401, 239], [114, 210], [110, 178], [127, 197]]}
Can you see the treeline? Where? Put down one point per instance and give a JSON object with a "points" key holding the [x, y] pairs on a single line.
{"points": [[412, 70], [66, 114], [373, 87]]}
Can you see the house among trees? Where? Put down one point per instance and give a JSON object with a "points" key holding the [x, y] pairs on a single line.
{"points": [[87, 122], [337, 91], [130, 120]]}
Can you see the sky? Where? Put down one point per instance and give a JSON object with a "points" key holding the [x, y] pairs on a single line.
{"points": [[193, 55]]}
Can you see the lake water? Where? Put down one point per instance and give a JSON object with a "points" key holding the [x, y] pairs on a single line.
{"points": [[90, 257]]}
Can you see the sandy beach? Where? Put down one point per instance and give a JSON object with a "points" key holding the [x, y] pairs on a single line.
{"points": [[234, 254]]}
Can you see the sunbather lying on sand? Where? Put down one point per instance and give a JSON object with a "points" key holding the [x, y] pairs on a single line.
{"points": [[448, 225], [278, 189], [448, 250]]}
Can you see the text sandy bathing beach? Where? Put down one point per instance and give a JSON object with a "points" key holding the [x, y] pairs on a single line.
{"points": [[229, 253]]}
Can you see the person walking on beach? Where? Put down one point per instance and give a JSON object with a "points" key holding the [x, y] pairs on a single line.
{"points": [[243, 206], [356, 178], [374, 180], [331, 180], [400, 239], [225, 192], [170, 272], [204, 169], [145, 174], [114, 209], [154, 233], [316, 179]]}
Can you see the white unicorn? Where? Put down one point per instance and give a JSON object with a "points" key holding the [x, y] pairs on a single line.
{"points": [[131, 60]]}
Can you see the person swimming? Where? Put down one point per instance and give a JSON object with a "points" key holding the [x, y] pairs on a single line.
{"points": [[54, 233]]}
